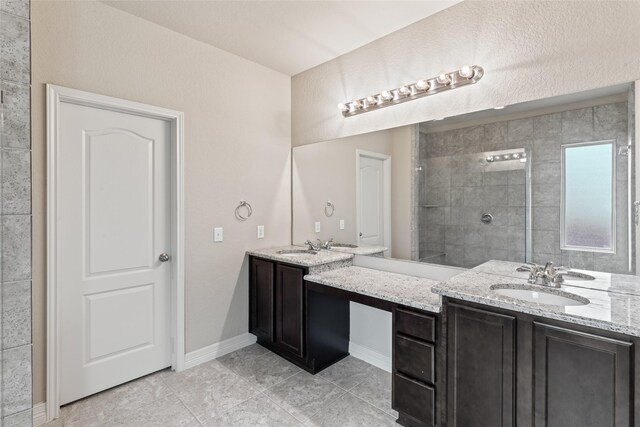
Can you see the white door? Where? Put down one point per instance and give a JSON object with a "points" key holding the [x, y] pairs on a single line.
{"points": [[371, 203], [113, 223]]}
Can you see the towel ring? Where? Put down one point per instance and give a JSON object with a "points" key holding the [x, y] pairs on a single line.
{"points": [[329, 209], [246, 205]]}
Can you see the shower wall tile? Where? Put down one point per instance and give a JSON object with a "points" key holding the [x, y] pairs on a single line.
{"points": [[21, 419], [516, 239], [546, 218], [546, 173], [475, 255], [521, 129], [516, 216], [16, 248], [547, 126], [610, 122], [474, 235], [516, 196], [497, 238], [454, 235], [516, 177], [577, 125], [496, 196], [500, 216], [457, 196], [16, 126], [16, 182], [472, 138], [14, 48], [546, 241], [546, 149], [473, 196], [546, 195], [15, 7], [16, 380], [16, 314], [495, 136], [454, 255], [495, 178]]}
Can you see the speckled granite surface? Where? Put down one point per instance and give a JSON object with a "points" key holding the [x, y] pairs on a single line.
{"points": [[622, 283], [611, 311], [361, 250], [322, 257], [399, 288]]}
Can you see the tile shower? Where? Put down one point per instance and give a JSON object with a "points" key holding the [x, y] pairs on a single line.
{"points": [[15, 249], [457, 186]]}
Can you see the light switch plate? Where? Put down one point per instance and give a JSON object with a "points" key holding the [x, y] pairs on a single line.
{"points": [[260, 232], [317, 226], [218, 234], [342, 224]]}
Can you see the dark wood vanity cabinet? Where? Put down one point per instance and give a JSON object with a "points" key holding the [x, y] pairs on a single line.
{"points": [[414, 367], [506, 369], [480, 368], [307, 328], [289, 309], [580, 379], [262, 282]]}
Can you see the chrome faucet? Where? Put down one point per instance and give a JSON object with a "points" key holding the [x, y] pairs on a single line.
{"points": [[549, 275], [325, 245], [312, 247]]}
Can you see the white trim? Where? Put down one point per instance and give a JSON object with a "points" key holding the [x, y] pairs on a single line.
{"points": [[386, 196], [370, 356], [219, 349], [56, 95], [39, 414]]}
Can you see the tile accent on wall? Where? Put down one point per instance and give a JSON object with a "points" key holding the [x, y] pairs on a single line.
{"points": [[14, 48], [15, 229], [452, 169]]}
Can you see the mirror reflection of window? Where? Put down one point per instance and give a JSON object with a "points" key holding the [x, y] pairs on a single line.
{"points": [[588, 186]]}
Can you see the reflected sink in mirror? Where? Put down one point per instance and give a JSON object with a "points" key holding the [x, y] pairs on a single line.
{"points": [[297, 252], [539, 295], [574, 275], [343, 245]]}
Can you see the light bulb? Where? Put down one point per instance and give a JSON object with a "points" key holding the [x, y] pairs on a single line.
{"points": [[515, 155], [371, 100], [422, 84], [490, 159], [466, 72], [343, 107], [403, 90], [356, 104], [443, 78], [386, 95]]}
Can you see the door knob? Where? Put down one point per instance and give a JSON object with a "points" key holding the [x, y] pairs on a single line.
{"points": [[164, 257]]}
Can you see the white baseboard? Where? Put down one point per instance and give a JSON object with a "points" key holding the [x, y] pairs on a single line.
{"points": [[370, 356], [39, 414], [218, 349]]}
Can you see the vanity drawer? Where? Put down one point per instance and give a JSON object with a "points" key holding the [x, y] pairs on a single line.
{"points": [[415, 324], [415, 399], [415, 358]]}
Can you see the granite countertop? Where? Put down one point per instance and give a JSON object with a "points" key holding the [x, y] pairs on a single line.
{"points": [[323, 256], [399, 288], [610, 282], [613, 304], [360, 250]]}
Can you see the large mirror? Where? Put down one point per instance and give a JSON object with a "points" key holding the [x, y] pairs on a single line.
{"points": [[548, 180]]}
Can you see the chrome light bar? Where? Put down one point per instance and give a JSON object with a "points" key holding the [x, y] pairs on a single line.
{"points": [[469, 74]]}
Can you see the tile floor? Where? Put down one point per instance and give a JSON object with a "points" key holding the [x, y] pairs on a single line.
{"points": [[251, 386]]}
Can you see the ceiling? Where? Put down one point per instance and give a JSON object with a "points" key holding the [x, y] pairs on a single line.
{"points": [[286, 36]]}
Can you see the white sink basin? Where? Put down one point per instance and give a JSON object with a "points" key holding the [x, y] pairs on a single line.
{"points": [[296, 253], [539, 295]]}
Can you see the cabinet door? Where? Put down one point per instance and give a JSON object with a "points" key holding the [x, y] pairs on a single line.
{"points": [[261, 298], [289, 308], [480, 368], [580, 379]]}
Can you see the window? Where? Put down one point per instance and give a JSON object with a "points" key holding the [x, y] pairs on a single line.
{"points": [[588, 197]]}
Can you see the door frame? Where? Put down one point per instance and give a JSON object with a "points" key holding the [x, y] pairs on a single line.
{"points": [[386, 197], [55, 96]]}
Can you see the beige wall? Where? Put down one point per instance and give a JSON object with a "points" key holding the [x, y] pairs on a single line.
{"points": [[327, 171], [530, 50], [237, 147]]}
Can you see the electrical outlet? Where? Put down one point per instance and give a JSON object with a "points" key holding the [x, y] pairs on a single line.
{"points": [[218, 235], [260, 232], [317, 226], [342, 224]]}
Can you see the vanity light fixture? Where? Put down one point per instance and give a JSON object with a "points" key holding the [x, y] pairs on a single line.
{"points": [[509, 156], [469, 74]]}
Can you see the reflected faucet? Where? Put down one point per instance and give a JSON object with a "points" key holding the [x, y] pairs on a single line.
{"points": [[549, 275]]}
